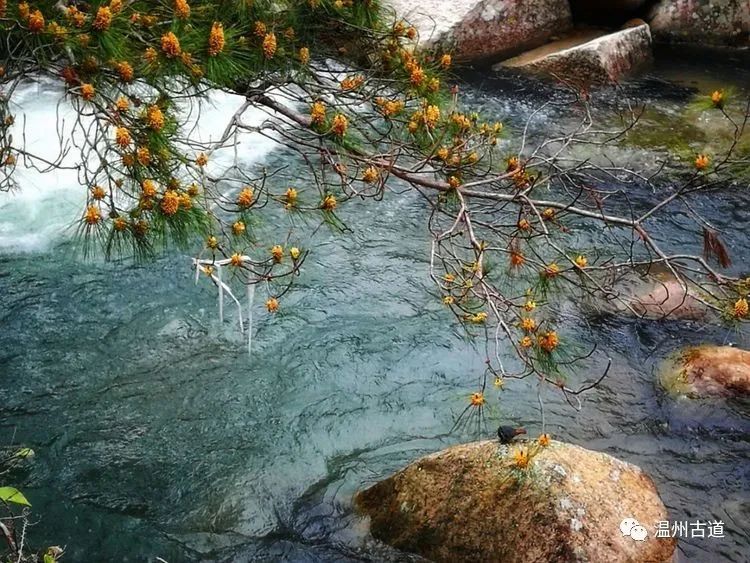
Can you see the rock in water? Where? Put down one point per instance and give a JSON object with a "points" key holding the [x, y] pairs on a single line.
{"points": [[477, 30], [703, 22], [708, 371], [670, 299], [472, 502], [589, 57]]}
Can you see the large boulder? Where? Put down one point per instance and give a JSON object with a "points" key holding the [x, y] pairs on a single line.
{"points": [[474, 502], [589, 58], [481, 30], [705, 371], [704, 22]]}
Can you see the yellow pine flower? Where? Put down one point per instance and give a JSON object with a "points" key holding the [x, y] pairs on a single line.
{"points": [[529, 305], [702, 161], [446, 60], [478, 318], [170, 45], [544, 440], [370, 175], [120, 224], [551, 270], [549, 341], [245, 197], [528, 324], [521, 458], [499, 382], [517, 259], [216, 39], [150, 55], [154, 118], [277, 251], [717, 98], [740, 309], [170, 203], [238, 227], [339, 125], [582, 261], [449, 300], [115, 6], [291, 196], [269, 45], [236, 260], [260, 29], [431, 115], [477, 400], [317, 113], [182, 9], [122, 137], [526, 342], [212, 242], [36, 22], [149, 188], [352, 82], [329, 203], [125, 71], [98, 193], [548, 214], [3, 8], [454, 182], [88, 92], [294, 252], [143, 155], [272, 305], [304, 55], [23, 10], [201, 159], [92, 215], [103, 19]]}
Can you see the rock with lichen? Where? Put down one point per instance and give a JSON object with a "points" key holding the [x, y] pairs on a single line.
{"points": [[705, 371], [590, 58], [520, 503], [704, 22], [485, 29]]}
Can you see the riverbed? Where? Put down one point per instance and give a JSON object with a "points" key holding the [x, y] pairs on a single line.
{"points": [[157, 434]]}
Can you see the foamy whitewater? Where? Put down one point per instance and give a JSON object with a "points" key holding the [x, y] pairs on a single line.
{"points": [[48, 204]]}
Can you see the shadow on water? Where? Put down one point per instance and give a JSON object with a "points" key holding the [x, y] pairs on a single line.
{"points": [[156, 434]]}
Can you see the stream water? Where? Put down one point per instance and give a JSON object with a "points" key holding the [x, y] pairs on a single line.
{"points": [[157, 435]]}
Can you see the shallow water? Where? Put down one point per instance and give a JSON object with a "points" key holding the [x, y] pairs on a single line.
{"points": [[157, 435]]}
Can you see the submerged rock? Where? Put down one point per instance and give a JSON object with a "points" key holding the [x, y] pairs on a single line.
{"points": [[477, 30], [590, 57], [473, 502], [708, 371], [668, 298], [704, 22]]}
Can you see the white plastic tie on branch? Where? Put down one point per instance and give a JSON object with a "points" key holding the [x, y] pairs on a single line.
{"points": [[216, 265]]}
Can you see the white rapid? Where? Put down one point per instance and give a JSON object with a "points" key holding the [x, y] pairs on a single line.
{"points": [[45, 208]]}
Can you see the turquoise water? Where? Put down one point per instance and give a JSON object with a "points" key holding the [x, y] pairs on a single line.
{"points": [[158, 435]]}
